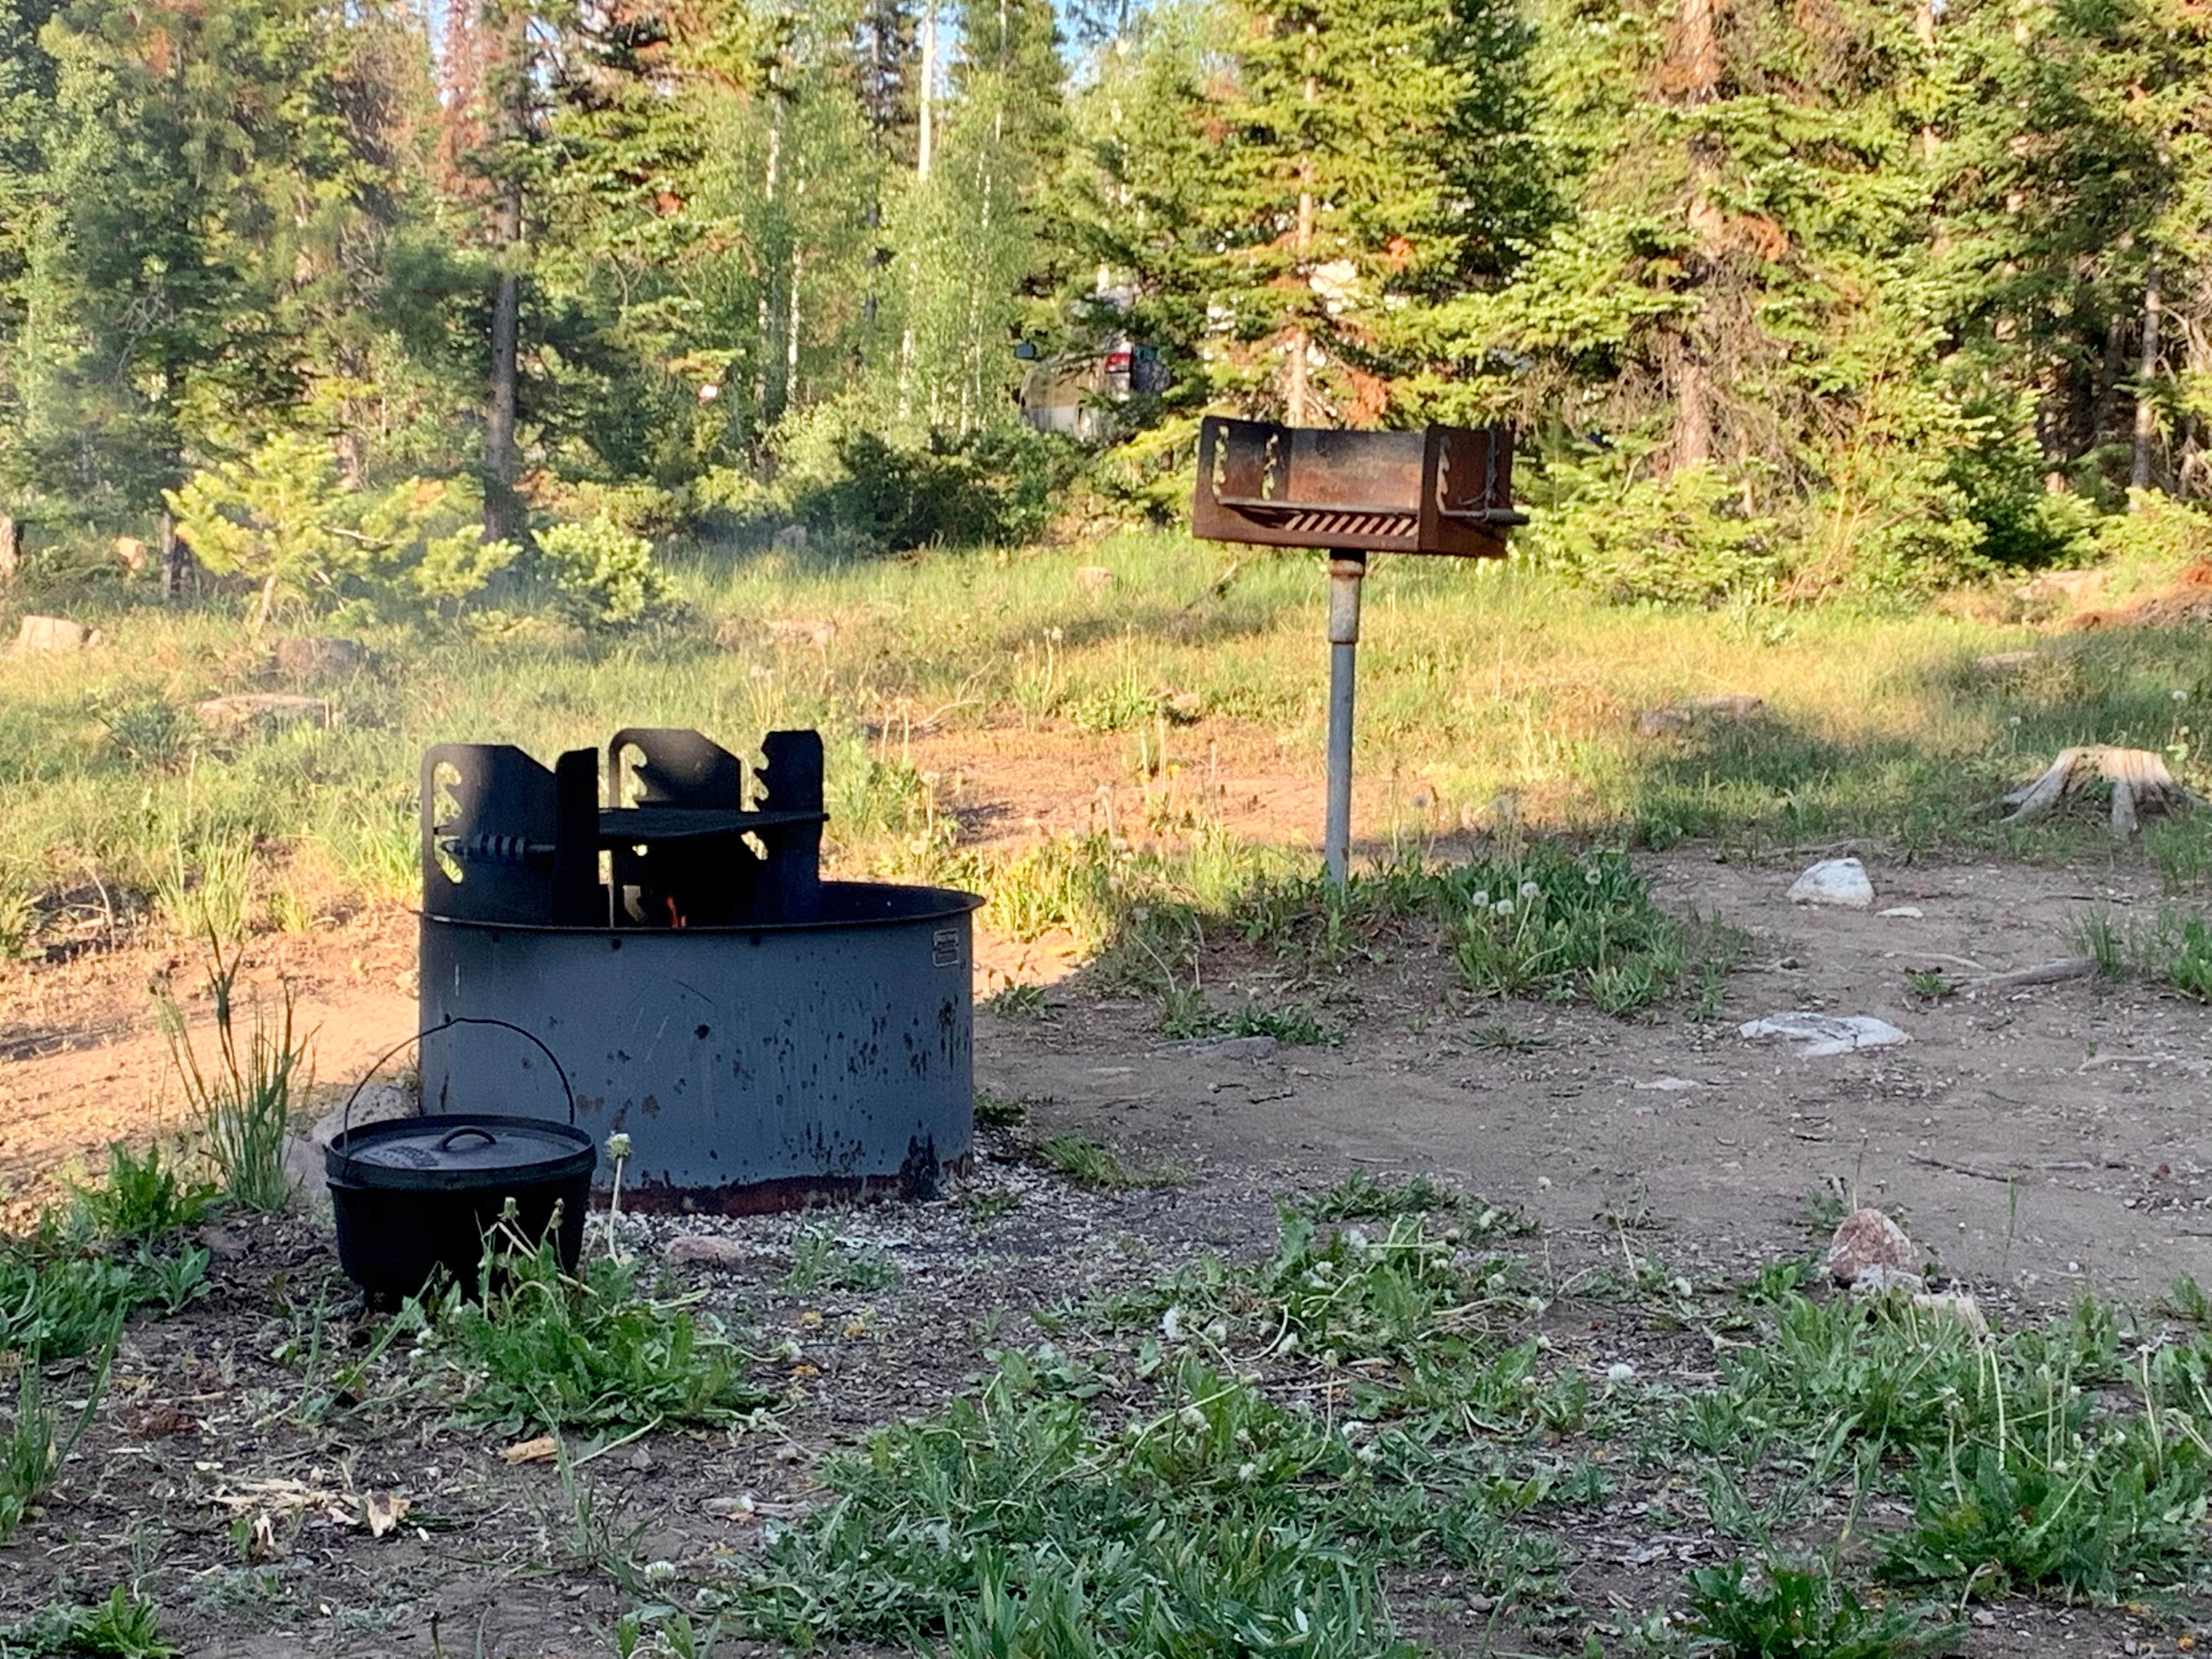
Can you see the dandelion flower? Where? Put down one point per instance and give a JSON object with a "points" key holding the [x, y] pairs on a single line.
{"points": [[2180, 696], [1503, 908], [1620, 1371], [1530, 889], [618, 1145]]}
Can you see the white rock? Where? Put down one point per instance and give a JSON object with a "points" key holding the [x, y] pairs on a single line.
{"points": [[1825, 1034], [1911, 912], [1671, 1086], [1835, 881]]}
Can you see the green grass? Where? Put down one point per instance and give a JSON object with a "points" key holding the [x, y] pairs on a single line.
{"points": [[1089, 1163], [123, 1626], [1480, 685], [535, 1347], [39, 1438], [242, 1097], [820, 1262]]}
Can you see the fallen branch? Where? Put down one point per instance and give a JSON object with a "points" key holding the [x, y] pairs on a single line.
{"points": [[2043, 973]]}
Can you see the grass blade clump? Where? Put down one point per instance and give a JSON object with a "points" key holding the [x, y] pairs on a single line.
{"points": [[536, 1347], [1017, 1521], [244, 1102], [37, 1441]]}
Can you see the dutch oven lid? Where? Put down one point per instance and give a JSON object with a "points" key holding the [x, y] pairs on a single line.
{"points": [[460, 1151]]}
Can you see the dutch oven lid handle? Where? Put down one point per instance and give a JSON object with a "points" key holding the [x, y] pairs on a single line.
{"points": [[445, 1141], [446, 1023]]}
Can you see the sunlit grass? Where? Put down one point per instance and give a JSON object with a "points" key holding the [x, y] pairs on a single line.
{"points": [[1488, 694]]}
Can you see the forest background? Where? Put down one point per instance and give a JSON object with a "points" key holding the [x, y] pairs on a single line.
{"points": [[389, 307]]}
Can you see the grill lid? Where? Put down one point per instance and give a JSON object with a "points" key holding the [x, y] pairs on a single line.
{"points": [[460, 1151]]}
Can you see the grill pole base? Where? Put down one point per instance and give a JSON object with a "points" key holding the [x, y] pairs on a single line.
{"points": [[1346, 572]]}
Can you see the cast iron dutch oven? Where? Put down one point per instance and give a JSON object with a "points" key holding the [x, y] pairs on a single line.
{"points": [[416, 1193]]}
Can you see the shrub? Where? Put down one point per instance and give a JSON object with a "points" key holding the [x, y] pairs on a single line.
{"points": [[603, 576], [283, 520], [1679, 540]]}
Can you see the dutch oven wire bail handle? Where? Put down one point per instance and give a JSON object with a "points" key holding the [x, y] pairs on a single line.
{"points": [[345, 1122]]}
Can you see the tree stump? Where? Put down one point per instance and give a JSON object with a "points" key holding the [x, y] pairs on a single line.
{"points": [[2140, 780]]}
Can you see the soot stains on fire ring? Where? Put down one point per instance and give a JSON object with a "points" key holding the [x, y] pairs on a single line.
{"points": [[920, 1180]]}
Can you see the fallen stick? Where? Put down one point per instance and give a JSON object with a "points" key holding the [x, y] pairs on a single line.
{"points": [[2043, 973]]}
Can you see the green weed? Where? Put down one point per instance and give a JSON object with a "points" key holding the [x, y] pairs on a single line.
{"points": [[997, 1111], [535, 1347], [1020, 1002], [123, 1626], [1360, 1197], [37, 1440], [1088, 1163], [59, 1295], [1786, 1610], [1185, 1014], [143, 1198], [244, 1104], [820, 1262]]}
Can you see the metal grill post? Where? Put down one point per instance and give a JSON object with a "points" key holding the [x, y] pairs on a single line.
{"points": [[1445, 489], [1346, 572]]}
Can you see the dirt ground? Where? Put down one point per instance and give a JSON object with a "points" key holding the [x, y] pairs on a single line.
{"points": [[2044, 1142], [2048, 1138]]}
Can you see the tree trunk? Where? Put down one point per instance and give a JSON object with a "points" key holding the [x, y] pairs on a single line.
{"points": [[2146, 411], [11, 548], [1297, 388], [1694, 71], [502, 513], [176, 561]]}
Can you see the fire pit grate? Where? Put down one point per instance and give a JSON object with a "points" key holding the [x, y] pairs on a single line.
{"points": [[657, 916]]}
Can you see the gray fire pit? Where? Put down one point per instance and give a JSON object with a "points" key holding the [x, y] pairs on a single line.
{"points": [[763, 1036]]}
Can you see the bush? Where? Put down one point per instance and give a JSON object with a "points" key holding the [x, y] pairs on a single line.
{"points": [[831, 469], [603, 576], [283, 520], [1679, 540]]}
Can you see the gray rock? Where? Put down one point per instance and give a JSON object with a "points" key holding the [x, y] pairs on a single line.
{"points": [[247, 708], [707, 1250], [320, 657], [1839, 882]]}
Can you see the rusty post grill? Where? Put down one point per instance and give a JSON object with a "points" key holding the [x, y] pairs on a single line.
{"points": [[1440, 489], [655, 915]]}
